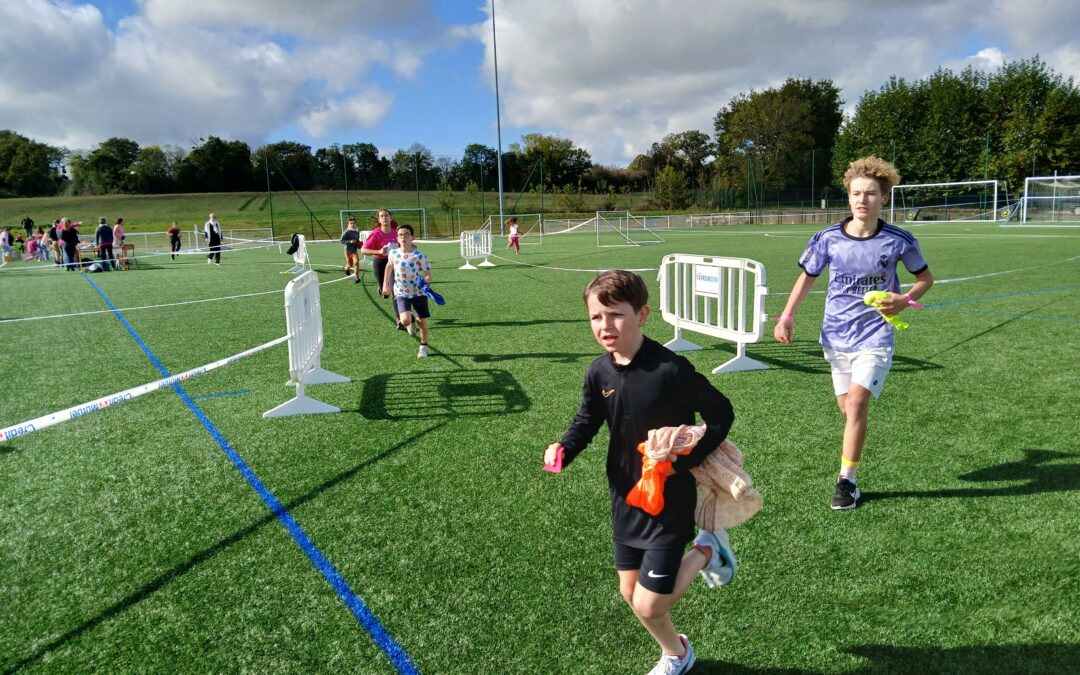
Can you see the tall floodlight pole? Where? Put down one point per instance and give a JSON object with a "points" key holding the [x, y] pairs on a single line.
{"points": [[269, 192], [498, 116], [345, 175]]}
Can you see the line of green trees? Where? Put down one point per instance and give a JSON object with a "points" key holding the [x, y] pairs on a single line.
{"points": [[787, 143]]}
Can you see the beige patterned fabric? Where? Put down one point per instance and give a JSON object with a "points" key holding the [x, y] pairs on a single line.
{"points": [[725, 496]]}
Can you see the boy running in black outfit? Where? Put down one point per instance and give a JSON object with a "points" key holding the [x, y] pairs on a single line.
{"points": [[636, 386]]}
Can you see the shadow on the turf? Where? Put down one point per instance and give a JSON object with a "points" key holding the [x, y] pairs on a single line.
{"points": [[1046, 658], [456, 323], [554, 357], [207, 554], [711, 667], [1035, 469], [458, 393], [992, 328], [800, 357], [1026, 658]]}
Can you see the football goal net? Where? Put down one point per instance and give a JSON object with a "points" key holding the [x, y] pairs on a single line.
{"points": [[973, 201], [530, 227], [365, 218], [622, 228], [1051, 199]]}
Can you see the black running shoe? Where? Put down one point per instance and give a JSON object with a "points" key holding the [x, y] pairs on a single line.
{"points": [[348, 271], [399, 326], [846, 495]]}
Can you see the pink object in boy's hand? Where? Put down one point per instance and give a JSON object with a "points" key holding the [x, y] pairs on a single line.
{"points": [[556, 466]]}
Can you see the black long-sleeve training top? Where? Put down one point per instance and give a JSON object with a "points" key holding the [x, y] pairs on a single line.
{"points": [[658, 388]]}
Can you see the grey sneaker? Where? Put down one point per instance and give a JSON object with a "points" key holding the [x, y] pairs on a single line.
{"points": [[846, 495], [422, 354], [411, 328], [722, 565], [673, 665]]}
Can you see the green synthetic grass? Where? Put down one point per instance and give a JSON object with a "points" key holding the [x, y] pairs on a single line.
{"points": [[130, 542]]}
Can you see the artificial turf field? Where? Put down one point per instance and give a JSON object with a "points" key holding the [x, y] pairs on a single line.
{"points": [[133, 539]]}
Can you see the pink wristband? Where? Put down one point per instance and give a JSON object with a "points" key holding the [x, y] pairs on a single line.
{"points": [[912, 302]]}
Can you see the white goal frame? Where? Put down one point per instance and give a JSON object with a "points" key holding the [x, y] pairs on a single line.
{"points": [[1061, 213], [365, 217], [625, 225], [987, 214]]}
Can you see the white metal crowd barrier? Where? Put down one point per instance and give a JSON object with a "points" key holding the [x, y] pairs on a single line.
{"points": [[476, 244], [718, 296], [303, 317]]}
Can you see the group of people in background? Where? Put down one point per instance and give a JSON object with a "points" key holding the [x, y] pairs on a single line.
{"points": [[398, 267], [61, 243]]}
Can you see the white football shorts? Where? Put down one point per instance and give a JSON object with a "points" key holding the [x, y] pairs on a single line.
{"points": [[867, 368]]}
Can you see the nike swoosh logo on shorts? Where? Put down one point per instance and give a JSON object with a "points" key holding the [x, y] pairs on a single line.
{"points": [[607, 392], [653, 575]]}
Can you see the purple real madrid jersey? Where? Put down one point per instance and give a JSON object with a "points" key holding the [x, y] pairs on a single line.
{"points": [[855, 267]]}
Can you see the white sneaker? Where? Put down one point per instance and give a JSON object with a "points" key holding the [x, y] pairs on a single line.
{"points": [[411, 328], [673, 665], [721, 568], [422, 354]]}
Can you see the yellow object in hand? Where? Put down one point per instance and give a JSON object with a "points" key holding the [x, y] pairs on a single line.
{"points": [[874, 298]]}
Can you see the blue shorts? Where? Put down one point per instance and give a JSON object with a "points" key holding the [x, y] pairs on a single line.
{"points": [[419, 304], [657, 568]]}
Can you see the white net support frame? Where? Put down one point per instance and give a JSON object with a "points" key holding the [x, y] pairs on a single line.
{"points": [[1051, 200], [303, 318], [719, 296], [974, 201], [476, 244], [623, 229], [365, 218], [530, 227], [299, 256]]}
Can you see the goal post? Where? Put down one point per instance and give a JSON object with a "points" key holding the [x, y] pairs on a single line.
{"points": [[365, 218], [1051, 199], [974, 201], [622, 228]]}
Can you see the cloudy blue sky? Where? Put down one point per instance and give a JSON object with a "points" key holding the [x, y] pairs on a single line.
{"points": [[613, 75]]}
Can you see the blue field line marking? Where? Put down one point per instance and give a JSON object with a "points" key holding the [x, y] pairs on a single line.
{"points": [[239, 392], [398, 658], [1015, 294]]}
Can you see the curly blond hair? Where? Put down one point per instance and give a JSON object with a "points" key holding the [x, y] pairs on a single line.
{"points": [[872, 167]]}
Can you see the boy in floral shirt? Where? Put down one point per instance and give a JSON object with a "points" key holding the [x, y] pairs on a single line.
{"points": [[407, 264]]}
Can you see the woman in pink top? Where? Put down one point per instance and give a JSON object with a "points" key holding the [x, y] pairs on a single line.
{"points": [[378, 244]]}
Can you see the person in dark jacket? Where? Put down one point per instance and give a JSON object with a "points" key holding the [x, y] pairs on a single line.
{"points": [[638, 385], [103, 237]]}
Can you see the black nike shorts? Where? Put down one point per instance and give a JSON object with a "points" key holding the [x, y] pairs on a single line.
{"points": [[656, 568]]}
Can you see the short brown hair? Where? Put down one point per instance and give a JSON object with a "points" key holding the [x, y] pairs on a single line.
{"points": [[615, 286], [872, 167]]}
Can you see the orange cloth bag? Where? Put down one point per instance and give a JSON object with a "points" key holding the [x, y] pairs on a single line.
{"points": [[648, 494]]}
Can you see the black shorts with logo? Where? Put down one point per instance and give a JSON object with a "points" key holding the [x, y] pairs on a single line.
{"points": [[657, 568]]}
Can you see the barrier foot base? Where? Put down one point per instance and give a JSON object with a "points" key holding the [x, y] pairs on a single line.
{"points": [[321, 376], [681, 345], [467, 266], [301, 405], [738, 365], [486, 263]]}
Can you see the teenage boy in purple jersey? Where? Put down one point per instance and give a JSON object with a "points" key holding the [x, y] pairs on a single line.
{"points": [[862, 253], [635, 386]]}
